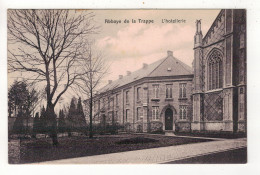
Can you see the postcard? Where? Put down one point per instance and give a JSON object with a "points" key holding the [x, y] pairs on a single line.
{"points": [[127, 86]]}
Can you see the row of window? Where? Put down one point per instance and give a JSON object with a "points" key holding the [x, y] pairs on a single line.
{"points": [[155, 113], [156, 88]]}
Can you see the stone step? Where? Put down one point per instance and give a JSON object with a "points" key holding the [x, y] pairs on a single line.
{"points": [[169, 133]]}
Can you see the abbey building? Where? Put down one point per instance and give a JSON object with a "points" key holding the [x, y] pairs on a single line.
{"points": [[168, 95]]}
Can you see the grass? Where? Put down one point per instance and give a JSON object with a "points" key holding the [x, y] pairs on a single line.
{"points": [[226, 135], [38, 150]]}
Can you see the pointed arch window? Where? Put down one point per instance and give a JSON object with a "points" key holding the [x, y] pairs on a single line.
{"points": [[215, 70]]}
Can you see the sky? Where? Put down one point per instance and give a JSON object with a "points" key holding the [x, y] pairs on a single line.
{"points": [[126, 46]]}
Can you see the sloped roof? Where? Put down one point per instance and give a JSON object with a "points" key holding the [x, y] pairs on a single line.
{"points": [[156, 69]]}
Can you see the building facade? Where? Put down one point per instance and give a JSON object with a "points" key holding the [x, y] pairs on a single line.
{"points": [[219, 97], [154, 98]]}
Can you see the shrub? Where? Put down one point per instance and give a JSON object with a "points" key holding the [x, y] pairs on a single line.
{"points": [[155, 127]]}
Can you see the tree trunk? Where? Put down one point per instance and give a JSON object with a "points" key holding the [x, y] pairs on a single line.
{"points": [[52, 124], [90, 116]]}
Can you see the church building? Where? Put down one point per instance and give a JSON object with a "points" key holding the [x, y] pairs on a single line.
{"points": [[219, 97]]}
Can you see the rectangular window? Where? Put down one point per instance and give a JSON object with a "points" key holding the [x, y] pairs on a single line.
{"points": [[116, 116], [103, 104], [127, 113], [117, 98], [110, 116], [108, 103], [127, 97], [168, 91], [155, 113], [183, 112], [182, 90], [139, 113], [156, 91], [138, 94]]}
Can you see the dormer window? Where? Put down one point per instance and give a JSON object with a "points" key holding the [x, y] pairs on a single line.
{"points": [[169, 69]]}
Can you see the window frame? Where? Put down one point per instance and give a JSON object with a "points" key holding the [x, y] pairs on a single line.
{"points": [[183, 108], [155, 113], [138, 94], [127, 111], [127, 101], [215, 70], [139, 113], [168, 90], [182, 90], [156, 91]]}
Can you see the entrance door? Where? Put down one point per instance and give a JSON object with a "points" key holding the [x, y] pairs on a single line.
{"points": [[168, 119]]}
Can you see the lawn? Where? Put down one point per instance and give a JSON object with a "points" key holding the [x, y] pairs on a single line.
{"points": [[38, 150]]}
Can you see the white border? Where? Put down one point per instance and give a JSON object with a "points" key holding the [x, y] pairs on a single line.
{"points": [[252, 167]]}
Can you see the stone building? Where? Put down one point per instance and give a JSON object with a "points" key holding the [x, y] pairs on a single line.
{"points": [[155, 98], [219, 97]]}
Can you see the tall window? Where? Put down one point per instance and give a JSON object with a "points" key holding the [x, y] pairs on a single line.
{"points": [[110, 116], [156, 91], [117, 98], [183, 112], [103, 103], [215, 70], [127, 113], [139, 113], [168, 91], [155, 113], [98, 105], [127, 97], [116, 116], [183, 90], [138, 91], [108, 103]]}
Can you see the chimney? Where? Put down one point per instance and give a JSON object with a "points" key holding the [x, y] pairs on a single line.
{"points": [[145, 65], [109, 81], [169, 53], [128, 73], [120, 76]]}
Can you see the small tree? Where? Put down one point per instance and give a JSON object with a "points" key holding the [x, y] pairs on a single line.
{"points": [[42, 123], [36, 124], [81, 117], [61, 122], [94, 69], [19, 126]]}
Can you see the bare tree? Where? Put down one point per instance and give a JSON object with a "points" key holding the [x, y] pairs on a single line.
{"points": [[94, 69], [45, 46]]}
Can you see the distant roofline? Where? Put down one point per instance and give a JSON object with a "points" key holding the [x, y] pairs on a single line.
{"points": [[213, 24], [148, 78], [114, 86]]}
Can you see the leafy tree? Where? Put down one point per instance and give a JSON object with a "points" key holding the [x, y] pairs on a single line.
{"points": [[82, 124], [17, 97], [36, 124], [42, 124], [72, 113], [20, 97], [61, 122], [19, 126]]}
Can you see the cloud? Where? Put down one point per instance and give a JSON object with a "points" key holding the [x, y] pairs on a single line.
{"points": [[142, 39]]}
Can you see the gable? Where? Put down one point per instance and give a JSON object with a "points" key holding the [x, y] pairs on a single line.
{"points": [[216, 31], [171, 67]]}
